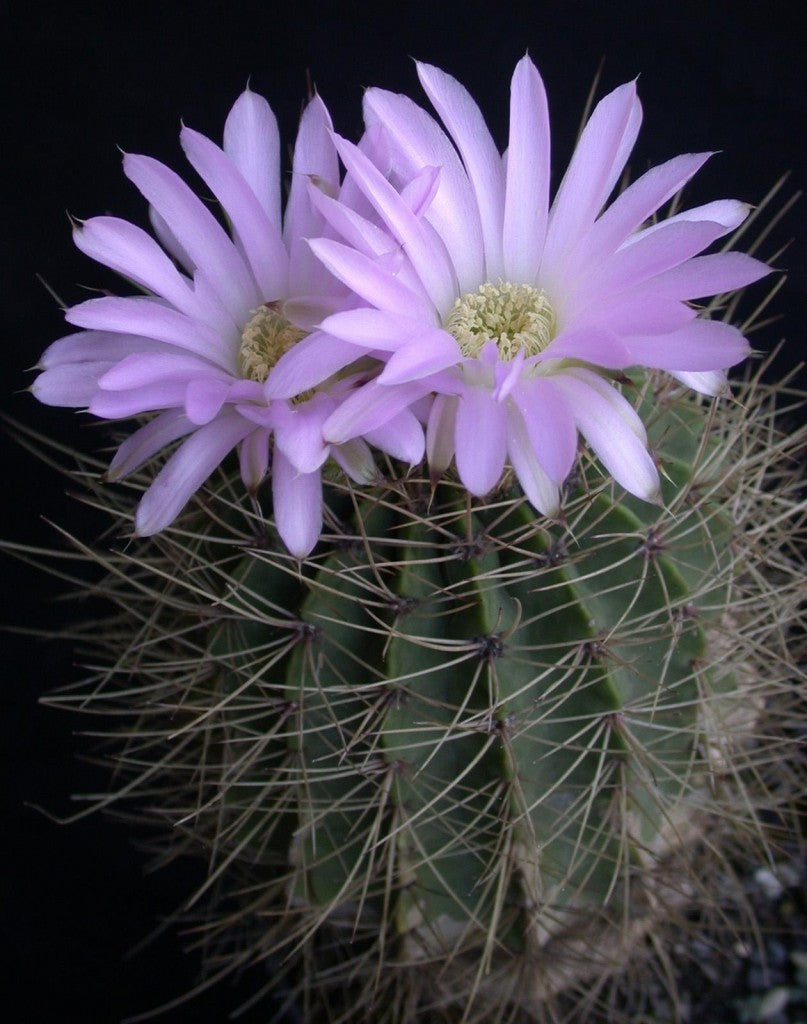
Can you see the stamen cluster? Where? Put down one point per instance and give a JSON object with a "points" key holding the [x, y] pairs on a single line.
{"points": [[517, 317], [267, 337]]}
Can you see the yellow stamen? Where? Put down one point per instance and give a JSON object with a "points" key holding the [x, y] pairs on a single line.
{"points": [[518, 317], [267, 337]]}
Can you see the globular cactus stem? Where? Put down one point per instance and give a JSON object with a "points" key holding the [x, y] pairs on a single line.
{"points": [[466, 763]]}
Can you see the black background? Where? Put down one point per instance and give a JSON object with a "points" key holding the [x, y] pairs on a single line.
{"points": [[89, 78]]}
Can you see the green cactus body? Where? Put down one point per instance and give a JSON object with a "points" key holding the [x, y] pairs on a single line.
{"points": [[487, 724], [466, 764]]}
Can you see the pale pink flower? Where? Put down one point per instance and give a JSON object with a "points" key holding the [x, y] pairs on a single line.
{"points": [[518, 315], [219, 310]]}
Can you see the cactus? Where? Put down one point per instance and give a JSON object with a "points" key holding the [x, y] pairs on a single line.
{"points": [[466, 763], [475, 738]]}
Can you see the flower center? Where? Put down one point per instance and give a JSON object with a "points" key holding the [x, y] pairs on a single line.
{"points": [[267, 337], [516, 316]]}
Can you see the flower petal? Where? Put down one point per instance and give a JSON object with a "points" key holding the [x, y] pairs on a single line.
{"points": [[480, 439], [298, 433], [253, 458], [355, 229], [429, 259], [314, 160], [591, 344], [433, 350], [252, 142], [550, 426], [613, 430], [308, 363], [541, 492], [607, 392], [401, 437], [204, 399], [709, 382], [129, 251], [714, 274], [95, 347], [639, 200], [69, 385], [598, 160], [440, 432], [114, 405], [144, 368], [417, 141], [637, 311], [140, 315], [371, 281], [297, 499], [467, 127], [370, 407], [139, 447], [198, 231], [527, 195], [703, 345], [186, 471], [356, 459], [633, 264], [373, 328], [169, 241], [259, 240]]}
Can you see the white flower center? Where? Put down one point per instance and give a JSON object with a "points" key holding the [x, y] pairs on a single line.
{"points": [[518, 317], [267, 337]]}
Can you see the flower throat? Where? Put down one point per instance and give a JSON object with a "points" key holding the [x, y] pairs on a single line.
{"points": [[517, 317], [267, 337]]}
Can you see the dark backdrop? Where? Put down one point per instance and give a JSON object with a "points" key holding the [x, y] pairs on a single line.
{"points": [[86, 79]]}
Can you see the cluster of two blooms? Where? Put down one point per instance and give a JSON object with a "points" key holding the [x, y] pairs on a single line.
{"points": [[434, 301]]}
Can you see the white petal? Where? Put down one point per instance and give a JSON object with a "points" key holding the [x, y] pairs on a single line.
{"points": [[708, 382], [356, 460]]}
